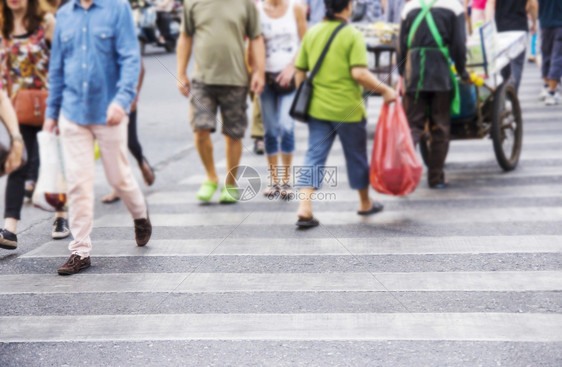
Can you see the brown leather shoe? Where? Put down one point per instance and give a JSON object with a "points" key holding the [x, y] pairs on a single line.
{"points": [[147, 172], [74, 264], [143, 231]]}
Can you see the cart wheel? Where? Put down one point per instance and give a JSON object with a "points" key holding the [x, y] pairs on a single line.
{"points": [[507, 127], [424, 148]]}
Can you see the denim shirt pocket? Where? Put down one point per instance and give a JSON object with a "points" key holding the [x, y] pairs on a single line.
{"points": [[66, 43], [104, 39]]}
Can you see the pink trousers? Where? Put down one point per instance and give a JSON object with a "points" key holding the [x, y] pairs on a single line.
{"points": [[78, 150]]}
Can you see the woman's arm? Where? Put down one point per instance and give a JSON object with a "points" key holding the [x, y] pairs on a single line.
{"points": [[363, 77], [286, 76], [50, 26], [300, 76], [9, 118], [300, 16]]}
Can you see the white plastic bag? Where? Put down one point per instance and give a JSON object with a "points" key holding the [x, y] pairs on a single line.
{"points": [[50, 191]]}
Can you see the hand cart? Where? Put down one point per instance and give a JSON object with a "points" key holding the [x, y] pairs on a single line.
{"points": [[496, 111]]}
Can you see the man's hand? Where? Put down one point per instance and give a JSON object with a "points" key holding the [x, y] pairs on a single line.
{"points": [[115, 114], [389, 95], [284, 78], [13, 162], [257, 83], [184, 85], [50, 126]]}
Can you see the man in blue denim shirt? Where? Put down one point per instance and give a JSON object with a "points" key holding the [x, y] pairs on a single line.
{"points": [[93, 74]]}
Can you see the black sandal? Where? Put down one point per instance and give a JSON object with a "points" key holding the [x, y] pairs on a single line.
{"points": [[376, 208], [305, 223]]}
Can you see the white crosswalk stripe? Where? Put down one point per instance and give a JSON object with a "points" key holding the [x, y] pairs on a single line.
{"points": [[414, 216], [285, 282], [394, 326], [316, 247]]}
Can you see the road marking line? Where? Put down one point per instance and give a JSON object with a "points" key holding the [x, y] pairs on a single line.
{"points": [[315, 247], [453, 215], [331, 326], [500, 281]]}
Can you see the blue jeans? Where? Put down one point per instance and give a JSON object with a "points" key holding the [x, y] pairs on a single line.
{"points": [[551, 48], [277, 124], [353, 137]]}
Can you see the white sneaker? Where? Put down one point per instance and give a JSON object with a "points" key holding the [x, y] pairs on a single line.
{"points": [[552, 100], [543, 94]]}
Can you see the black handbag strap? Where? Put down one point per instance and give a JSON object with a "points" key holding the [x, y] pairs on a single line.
{"points": [[324, 52]]}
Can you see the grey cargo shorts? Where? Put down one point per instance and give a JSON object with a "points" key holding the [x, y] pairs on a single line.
{"points": [[206, 99]]}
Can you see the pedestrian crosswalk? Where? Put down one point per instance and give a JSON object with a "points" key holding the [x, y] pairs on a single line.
{"points": [[479, 262]]}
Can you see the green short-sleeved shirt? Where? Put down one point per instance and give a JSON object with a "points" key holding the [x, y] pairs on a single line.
{"points": [[336, 95], [219, 28]]}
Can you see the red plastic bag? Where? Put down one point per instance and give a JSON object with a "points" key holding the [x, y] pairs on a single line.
{"points": [[395, 166]]}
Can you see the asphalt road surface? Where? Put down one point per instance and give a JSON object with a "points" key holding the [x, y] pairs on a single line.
{"points": [[467, 276]]}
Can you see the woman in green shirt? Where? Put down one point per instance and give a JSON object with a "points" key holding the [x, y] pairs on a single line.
{"points": [[336, 107]]}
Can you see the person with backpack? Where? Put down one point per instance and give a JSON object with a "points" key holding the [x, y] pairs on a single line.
{"points": [[432, 37]]}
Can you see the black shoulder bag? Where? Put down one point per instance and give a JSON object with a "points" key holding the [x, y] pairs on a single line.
{"points": [[301, 103]]}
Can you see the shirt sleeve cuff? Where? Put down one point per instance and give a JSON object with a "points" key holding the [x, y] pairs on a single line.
{"points": [[125, 103], [52, 113]]}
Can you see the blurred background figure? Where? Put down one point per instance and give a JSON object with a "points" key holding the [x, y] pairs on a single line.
{"points": [[316, 11], [27, 32], [14, 157], [393, 10], [163, 16], [550, 19], [367, 11], [511, 15]]}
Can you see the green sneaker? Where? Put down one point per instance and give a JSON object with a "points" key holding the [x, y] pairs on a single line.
{"points": [[229, 194], [206, 191]]}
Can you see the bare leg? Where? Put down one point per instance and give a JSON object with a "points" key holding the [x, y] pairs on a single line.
{"points": [[233, 154], [11, 224], [287, 160], [365, 202], [204, 146], [273, 164], [305, 205], [552, 85], [61, 214]]}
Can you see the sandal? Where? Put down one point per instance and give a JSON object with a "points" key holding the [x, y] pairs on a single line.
{"points": [[229, 195], [375, 208], [287, 192], [110, 198], [147, 172], [305, 223], [272, 191], [206, 191]]}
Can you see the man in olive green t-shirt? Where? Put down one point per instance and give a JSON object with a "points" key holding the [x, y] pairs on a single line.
{"points": [[220, 79]]}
